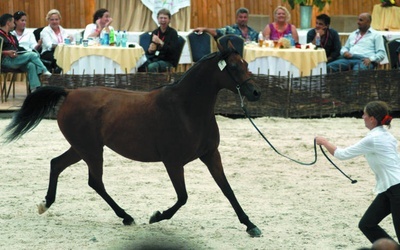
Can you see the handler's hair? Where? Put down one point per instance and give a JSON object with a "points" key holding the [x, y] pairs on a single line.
{"points": [[379, 110]]}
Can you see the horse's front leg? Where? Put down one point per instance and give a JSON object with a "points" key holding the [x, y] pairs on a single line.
{"points": [[214, 164], [178, 181], [57, 165], [95, 163]]}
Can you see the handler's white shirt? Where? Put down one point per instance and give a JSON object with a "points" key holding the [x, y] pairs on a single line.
{"points": [[380, 149]]}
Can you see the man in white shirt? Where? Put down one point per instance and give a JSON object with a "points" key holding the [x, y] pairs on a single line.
{"points": [[363, 49]]}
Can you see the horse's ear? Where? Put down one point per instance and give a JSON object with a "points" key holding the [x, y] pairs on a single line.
{"points": [[220, 47], [228, 45]]}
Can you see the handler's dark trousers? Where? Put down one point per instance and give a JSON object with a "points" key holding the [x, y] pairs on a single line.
{"points": [[384, 204]]}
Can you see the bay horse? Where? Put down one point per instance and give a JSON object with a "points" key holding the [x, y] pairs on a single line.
{"points": [[174, 124]]}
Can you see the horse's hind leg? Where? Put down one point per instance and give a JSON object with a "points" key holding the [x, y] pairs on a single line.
{"points": [[178, 181], [214, 164], [57, 165], [96, 182]]}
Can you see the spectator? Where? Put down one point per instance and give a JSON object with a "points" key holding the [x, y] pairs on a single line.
{"points": [[163, 48], [363, 49], [26, 39], [329, 37], [240, 28], [280, 26], [51, 36], [15, 57], [380, 149], [101, 20]]}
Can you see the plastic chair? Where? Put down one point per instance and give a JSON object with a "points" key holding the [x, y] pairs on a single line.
{"points": [[237, 42], [145, 40], [199, 45], [5, 72], [181, 44], [391, 50]]}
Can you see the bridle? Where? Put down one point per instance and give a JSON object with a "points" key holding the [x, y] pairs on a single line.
{"points": [[287, 157]]}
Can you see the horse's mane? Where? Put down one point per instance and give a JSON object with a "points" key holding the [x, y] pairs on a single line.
{"points": [[220, 55]]}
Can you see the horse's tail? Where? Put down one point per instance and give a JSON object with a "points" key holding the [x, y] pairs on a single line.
{"points": [[36, 106]]}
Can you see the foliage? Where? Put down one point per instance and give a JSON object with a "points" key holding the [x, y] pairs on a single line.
{"points": [[320, 4], [388, 3]]}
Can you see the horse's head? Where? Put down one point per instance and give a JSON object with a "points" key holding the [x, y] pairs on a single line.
{"points": [[237, 69]]}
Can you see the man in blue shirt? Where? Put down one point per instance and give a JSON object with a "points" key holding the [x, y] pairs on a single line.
{"points": [[363, 49], [240, 28]]}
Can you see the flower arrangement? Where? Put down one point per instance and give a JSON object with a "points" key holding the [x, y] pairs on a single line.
{"points": [[320, 4], [388, 3], [284, 43]]}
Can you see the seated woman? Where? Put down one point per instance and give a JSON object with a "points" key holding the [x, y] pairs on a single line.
{"points": [[51, 36], [101, 20], [26, 39], [281, 26], [15, 57]]}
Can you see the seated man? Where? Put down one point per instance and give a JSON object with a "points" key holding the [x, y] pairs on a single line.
{"points": [[15, 57], [363, 49], [240, 28], [163, 49], [329, 37]]}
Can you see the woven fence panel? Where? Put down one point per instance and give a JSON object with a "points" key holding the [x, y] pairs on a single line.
{"points": [[314, 96]]}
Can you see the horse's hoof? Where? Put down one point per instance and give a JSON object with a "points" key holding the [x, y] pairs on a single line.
{"points": [[254, 232], [155, 217], [128, 220], [42, 207]]}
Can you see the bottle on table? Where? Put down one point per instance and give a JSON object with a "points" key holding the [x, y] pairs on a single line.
{"points": [[260, 39], [105, 40], [124, 39], [118, 39], [318, 40], [112, 37]]}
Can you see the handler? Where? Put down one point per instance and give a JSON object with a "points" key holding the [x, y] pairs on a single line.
{"points": [[380, 149]]}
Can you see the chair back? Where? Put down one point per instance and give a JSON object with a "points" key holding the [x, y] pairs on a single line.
{"points": [[392, 54], [145, 40], [36, 33], [181, 44], [199, 45], [237, 42], [1, 49]]}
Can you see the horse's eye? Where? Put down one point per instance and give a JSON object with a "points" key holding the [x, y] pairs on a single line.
{"points": [[233, 66]]}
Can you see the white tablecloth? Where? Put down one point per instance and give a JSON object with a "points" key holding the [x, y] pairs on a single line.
{"points": [[278, 66], [94, 64]]}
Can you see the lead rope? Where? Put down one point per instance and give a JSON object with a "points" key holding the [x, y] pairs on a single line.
{"points": [[287, 157]]}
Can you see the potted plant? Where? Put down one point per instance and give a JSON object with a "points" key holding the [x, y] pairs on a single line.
{"points": [[320, 4], [306, 9]]}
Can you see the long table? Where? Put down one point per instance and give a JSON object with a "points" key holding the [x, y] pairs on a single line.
{"points": [[292, 61], [77, 59]]}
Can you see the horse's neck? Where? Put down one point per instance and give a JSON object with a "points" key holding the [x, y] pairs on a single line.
{"points": [[200, 86]]}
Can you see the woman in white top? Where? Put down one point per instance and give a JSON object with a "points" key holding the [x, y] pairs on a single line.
{"points": [[51, 36], [380, 150], [26, 39], [101, 20]]}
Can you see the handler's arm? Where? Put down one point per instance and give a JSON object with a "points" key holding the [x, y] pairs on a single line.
{"points": [[324, 142]]}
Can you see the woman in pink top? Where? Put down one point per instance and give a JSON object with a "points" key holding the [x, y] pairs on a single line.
{"points": [[280, 26]]}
